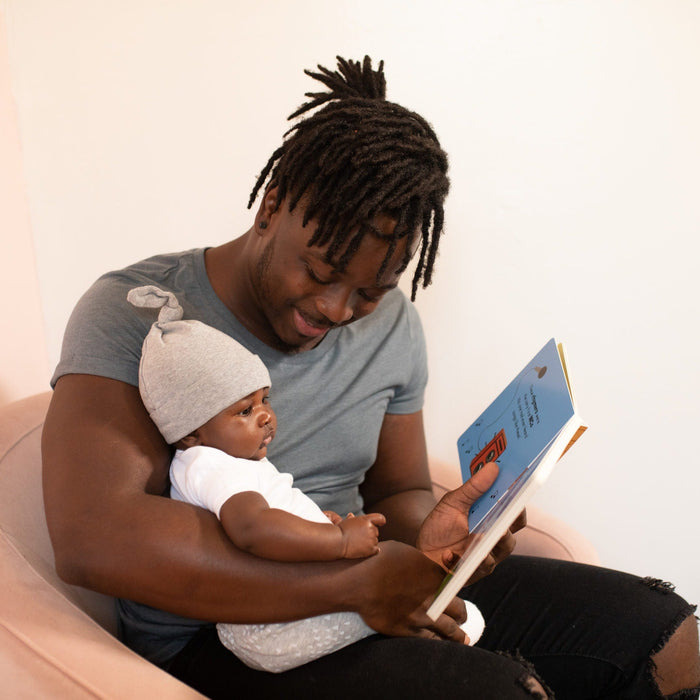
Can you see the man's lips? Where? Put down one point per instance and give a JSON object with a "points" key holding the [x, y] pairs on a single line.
{"points": [[307, 327]]}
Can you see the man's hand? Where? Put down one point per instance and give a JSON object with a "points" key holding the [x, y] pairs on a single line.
{"points": [[445, 532], [361, 535], [399, 586]]}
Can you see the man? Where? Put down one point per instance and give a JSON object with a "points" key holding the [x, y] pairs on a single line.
{"points": [[351, 197]]}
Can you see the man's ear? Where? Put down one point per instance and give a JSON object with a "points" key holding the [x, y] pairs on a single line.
{"points": [[270, 204], [268, 207]]}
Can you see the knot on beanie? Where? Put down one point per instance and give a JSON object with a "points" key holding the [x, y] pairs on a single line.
{"points": [[190, 371], [152, 297]]}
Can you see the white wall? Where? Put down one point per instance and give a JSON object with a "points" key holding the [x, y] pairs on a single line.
{"points": [[23, 351], [572, 130]]}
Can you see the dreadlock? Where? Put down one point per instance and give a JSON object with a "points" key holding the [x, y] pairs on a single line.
{"points": [[357, 157]]}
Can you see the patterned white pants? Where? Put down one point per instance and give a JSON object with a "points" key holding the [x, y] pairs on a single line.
{"points": [[278, 647]]}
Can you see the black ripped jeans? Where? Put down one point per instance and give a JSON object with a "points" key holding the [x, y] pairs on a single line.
{"points": [[588, 633]]}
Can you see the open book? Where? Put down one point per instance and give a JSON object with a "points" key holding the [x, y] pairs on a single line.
{"points": [[531, 424]]}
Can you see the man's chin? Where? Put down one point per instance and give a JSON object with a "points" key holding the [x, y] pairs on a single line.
{"points": [[303, 345], [298, 342]]}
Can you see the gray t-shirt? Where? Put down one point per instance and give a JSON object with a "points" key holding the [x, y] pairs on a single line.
{"points": [[330, 401]]}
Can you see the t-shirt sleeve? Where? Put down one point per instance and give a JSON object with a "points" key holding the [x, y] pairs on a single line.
{"points": [[409, 395], [105, 333], [207, 477]]}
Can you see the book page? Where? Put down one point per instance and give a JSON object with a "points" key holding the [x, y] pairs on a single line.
{"points": [[517, 426]]}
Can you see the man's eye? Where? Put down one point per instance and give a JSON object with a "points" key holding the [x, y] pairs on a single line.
{"points": [[371, 298], [315, 277]]}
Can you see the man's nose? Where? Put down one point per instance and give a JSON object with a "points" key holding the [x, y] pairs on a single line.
{"points": [[335, 304]]}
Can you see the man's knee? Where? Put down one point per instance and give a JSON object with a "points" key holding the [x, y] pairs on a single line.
{"points": [[529, 681], [675, 667], [534, 688]]}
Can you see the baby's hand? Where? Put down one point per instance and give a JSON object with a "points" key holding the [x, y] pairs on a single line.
{"points": [[361, 535], [332, 516]]}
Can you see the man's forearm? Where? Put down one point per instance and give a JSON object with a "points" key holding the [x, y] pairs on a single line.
{"points": [[187, 565], [405, 512], [176, 557]]}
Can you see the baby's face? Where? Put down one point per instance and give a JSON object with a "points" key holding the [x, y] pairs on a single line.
{"points": [[244, 429]]}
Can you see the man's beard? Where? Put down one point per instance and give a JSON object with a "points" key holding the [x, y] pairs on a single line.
{"points": [[262, 270], [266, 294]]}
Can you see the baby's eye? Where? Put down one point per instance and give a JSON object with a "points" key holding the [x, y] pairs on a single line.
{"points": [[246, 411]]}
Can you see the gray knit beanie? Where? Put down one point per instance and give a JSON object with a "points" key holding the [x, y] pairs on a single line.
{"points": [[189, 371]]}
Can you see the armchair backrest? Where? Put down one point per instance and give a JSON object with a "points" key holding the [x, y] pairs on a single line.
{"points": [[22, 520]]}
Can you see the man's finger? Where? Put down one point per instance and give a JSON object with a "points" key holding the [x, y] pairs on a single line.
{"points": [[475, 487]]}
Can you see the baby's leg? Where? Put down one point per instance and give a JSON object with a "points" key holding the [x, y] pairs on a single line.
{"points": [[281, 646]]}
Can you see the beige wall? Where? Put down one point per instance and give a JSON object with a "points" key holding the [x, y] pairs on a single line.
{"points": [[24, 364], [574, 209]]}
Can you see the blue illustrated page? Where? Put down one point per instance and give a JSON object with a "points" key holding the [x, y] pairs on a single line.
{"points": [[515, 429]]}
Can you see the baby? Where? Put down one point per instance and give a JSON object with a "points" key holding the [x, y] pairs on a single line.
{"points": [[209, 397]]}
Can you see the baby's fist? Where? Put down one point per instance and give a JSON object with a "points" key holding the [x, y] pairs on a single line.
{"points": [[361, 535]]}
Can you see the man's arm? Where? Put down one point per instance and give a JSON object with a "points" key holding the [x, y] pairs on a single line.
{"points": [[398, 484], [105, 466]]}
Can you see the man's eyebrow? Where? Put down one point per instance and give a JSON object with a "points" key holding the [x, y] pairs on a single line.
{"points": [[317, 255]]}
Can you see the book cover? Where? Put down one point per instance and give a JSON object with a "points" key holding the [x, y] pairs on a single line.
{"points": [[525, 430], [517, 426]]}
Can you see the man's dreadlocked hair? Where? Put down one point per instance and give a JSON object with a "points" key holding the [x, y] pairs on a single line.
{"points": [[357, 157]]}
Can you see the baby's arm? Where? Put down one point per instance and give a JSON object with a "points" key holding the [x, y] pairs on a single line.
{"points": [[275, 534]]}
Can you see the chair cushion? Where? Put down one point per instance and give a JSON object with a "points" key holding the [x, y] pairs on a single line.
{"points": [[50, 648]]}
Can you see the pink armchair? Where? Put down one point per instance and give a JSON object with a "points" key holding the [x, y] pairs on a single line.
{"points": [[58, 640]]}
